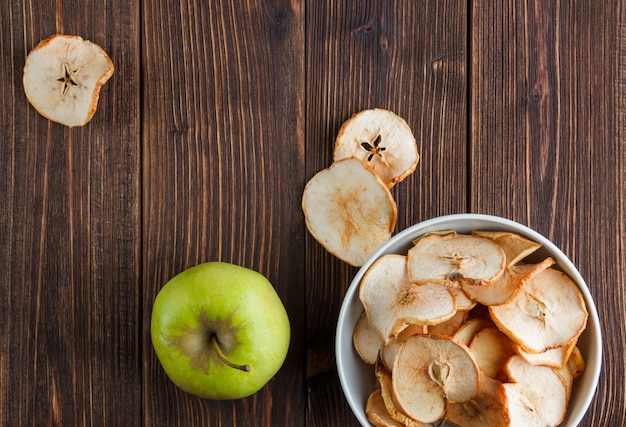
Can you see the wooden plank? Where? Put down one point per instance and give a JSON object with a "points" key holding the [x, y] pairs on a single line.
{"points": [[69, 234], [222, 175], [547, 145], [408, 57]]}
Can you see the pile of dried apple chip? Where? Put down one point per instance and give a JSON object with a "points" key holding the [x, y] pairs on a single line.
{"points": [[348, 207], [464, 329]]}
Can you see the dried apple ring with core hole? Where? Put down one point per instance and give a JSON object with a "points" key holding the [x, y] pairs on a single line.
{"points": [[63, 76], [429, 372], [382, 140]]}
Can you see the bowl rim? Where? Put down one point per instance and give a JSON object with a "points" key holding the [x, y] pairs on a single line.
{"points": [[434, 224]]}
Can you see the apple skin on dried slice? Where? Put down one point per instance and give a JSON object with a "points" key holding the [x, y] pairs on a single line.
{"points": [[349, 210], [382, 140], [63, 76]]}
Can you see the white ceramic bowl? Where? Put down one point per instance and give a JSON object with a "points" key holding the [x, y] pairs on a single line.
{"points": [[358, 380]]}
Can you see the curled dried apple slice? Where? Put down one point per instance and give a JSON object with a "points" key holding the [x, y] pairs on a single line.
{"points": [[470, 328], [491, 350], [349, 211], [376, 411], [572, 369], [382, 140], [450, 326], [576, 362], [554, 357], [456, 257], [386, 390], [63, 76], [463, 301], [388, 351], [547, 312], [392, 302], [536, 396], [506, 286], [367, 342], [429, 372], [514, 246], [486, 409]]}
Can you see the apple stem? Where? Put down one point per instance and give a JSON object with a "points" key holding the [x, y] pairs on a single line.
{"points": [[218, 351]]}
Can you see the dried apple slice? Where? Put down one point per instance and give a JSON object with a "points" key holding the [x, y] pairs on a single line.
{"points": [[382, 140], [537, 395], [547, 312], [456, 257], [392, 302], [468, 330], [376, 411], [63, 76], [514, 246], [463, 301], [367, 342], [554, 357], [386, 390], [491, 350], [572, 369], [576, 362], [388, 351], [349, 211], [413, 329], [433, 233], [486, 409], [450, 326], [506, 286], [431, 371]]}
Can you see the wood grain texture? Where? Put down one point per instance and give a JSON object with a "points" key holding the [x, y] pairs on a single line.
{"points": [[217, 115], [547, 146], [223, 169], [408, 57], [69, 236]]}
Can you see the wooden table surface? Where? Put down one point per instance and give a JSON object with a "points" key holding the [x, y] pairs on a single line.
{"points": [[217, 115]]}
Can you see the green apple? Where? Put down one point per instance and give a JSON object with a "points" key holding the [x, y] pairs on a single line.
{"points": [[220, 330]]}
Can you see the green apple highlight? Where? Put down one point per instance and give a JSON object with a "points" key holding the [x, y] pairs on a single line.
{"points": [[220, 330]]}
